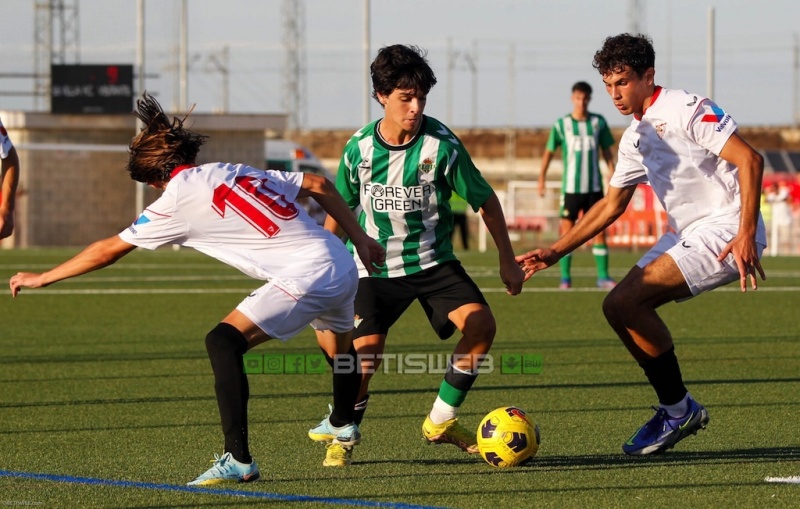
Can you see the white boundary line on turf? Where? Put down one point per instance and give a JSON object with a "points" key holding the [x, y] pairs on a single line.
{"points": [[133, 291], [787, 480], [169, 291]]}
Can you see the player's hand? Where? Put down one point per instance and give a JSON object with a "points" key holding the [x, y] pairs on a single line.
{"points": [[512, 276], [536, 260], [371, 253], [26, 279], [745, 254]]}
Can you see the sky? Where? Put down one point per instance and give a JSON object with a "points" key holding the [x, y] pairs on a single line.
{"points": [[499, 63]]}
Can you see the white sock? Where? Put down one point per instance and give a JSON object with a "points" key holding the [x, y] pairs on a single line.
{"points": [[679, 409], [441, 411]]}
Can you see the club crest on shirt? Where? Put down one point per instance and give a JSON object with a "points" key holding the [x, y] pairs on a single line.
{"points": [[427, 165], [661, 129]]}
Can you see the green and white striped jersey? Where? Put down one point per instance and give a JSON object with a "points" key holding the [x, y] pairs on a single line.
{"points": [[580, 142], [401, 193]]}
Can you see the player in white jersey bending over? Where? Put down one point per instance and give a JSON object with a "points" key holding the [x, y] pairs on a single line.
{"points": [[709, 181], [9, 179], [249, 219], [400, 172]]}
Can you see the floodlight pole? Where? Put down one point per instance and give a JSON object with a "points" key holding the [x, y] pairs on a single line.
{"points": [[710, 56], [183, 58], [367, 76], [140, 187], [796, 83]]}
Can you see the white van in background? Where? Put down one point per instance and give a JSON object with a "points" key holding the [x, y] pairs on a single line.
{"points": [[286, 155]]}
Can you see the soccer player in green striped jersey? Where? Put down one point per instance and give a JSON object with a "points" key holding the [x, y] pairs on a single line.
{"points": [[398, 173], [582, 136]]}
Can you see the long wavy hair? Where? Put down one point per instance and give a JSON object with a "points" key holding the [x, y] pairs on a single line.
{"points": [[161, 145]]}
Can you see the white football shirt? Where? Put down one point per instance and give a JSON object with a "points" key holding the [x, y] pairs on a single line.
{"points": [[675, 148], [5, 142], [245, 217]]}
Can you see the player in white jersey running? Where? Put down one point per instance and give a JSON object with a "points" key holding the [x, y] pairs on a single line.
{"points": [[582, 136], [9, 179], [709, 181], [399, 172], [249, 219]]}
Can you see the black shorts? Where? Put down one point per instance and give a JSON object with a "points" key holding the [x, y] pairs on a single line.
{"points": [[573, 204], [440, 290]]}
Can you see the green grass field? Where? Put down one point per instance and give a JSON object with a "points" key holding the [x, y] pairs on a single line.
{"points": [[106, 398]]}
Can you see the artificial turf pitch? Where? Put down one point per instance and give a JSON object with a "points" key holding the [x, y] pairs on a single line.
{"points": [[107, 399]]}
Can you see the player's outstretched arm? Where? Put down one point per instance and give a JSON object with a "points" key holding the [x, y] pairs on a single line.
{"points": [[597, 219], [372, 254], [96, 256], [510, 272]]}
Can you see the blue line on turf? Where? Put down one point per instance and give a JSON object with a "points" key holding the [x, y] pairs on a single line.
{"points": [[210, 491]]}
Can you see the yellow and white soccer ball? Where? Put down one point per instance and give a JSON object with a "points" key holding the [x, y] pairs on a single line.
{"points": [[508, 437]]}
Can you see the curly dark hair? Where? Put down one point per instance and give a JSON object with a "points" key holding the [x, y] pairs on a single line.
{"points": [[161, 145], [625, 50], [403, 67]]}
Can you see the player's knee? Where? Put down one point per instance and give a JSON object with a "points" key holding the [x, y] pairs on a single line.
{"points": [[613, 307], [480, 326], [224, 338]]}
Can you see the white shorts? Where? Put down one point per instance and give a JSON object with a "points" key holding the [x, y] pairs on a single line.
{"points": [[282, 308], [696, 255]]}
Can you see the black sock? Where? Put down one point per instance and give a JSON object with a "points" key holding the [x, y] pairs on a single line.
{"points": [[664, 375], [225, 346], [346, 384], [360, 408], [459, 379]]}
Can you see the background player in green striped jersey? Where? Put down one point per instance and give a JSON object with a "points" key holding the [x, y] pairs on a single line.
{"points": [[399, 173], [582, 136]]}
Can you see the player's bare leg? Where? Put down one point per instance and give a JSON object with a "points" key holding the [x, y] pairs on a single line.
{"points": [[338, 430], [370, 351], [226, 344], [346, 375], [630, 309], [476, 323]]}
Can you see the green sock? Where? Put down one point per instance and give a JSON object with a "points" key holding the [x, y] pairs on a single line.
{"points": [[566, 265], [600, 252], [451, 395]]}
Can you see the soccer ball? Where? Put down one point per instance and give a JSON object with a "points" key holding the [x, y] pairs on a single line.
{"points": [[507, 437]]}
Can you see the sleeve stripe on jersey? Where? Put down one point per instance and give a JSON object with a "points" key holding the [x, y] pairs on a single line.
{"points": [[450, 162], [157, 213]]}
